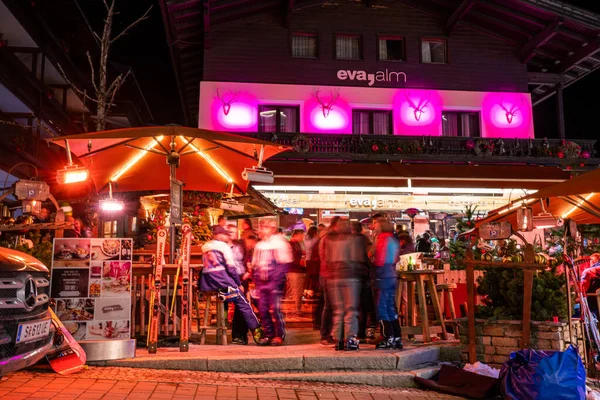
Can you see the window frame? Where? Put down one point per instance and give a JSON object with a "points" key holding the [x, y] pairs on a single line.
{"points": [[372, 111], [303, 33], [361, 55], [278, 108], [392, 37], [463, 111], [438, 40]]}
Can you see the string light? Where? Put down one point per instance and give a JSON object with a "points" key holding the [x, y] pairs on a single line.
{"points": [[589, 196], [135, 159], [209, 160]]}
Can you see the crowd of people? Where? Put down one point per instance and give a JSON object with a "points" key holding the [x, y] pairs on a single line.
{"points": [[351, 274]]}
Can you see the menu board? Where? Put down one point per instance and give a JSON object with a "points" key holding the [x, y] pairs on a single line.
{"points": [[91, 285]]}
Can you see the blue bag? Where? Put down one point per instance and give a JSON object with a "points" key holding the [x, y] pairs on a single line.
{"points": [[531, 374]]}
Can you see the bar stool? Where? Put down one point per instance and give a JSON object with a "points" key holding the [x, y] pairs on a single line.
{"points": [[447, 288], [221, 326]]}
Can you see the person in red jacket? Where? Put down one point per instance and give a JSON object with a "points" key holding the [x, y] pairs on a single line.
{"points": [[590, 282]]}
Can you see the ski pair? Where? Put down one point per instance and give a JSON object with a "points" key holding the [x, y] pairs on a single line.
{"points": [[155, 301]]}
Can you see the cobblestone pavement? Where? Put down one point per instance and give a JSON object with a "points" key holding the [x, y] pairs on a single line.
{"points": [[135, 383]]}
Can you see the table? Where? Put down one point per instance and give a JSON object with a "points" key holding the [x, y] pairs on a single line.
{"points": [[422, 278]]}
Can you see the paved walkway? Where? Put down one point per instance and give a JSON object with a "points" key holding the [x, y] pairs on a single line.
{"points": [[134, 383]]}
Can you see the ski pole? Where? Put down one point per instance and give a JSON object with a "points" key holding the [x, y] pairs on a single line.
{"points": [[175, 290]]}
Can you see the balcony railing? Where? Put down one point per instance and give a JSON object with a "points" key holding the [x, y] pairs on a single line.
{"points": [[318, 146]]}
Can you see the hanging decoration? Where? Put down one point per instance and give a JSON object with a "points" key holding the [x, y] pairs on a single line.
{"points": [[227, 103], [511, 111], [570, 149], [327, 106], [420, 108], [484, 148], [301, 143]]}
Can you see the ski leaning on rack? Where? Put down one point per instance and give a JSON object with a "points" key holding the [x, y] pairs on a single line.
{"points": [[161, 240], [66, 355], [184, 332]]}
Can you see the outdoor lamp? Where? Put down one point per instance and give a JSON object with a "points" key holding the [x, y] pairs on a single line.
{"points": [[544, 220], [525, 219], [72, 174], [31, 206], [111, 204]]}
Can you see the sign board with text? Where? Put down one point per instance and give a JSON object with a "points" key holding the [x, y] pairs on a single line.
{"points": [[91, 285]]}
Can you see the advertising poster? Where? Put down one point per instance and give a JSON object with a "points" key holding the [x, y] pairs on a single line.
{"points": [[91, 286]]}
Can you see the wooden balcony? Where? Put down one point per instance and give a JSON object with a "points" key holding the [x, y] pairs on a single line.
{"points": [[349, 148]]}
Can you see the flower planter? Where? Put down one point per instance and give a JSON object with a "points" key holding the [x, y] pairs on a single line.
{"points": [[495, 340]]}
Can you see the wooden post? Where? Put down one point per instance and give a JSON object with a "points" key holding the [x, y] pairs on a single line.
{"points": [[529, 258], [471, 305], [423, 308], [60, 218], [568, 288]]}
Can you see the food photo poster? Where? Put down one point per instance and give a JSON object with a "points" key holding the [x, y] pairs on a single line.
{"points": [[91, 286]]}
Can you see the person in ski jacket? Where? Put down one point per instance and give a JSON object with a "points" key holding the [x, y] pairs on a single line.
{"points": [[590, 282], [271, 260], [219, 274], [384, 265]]}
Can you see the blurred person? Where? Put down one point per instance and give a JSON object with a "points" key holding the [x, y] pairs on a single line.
{"points": [[296, 275], [271, 260], [590, 282], [345, 255], [247, 229], [424, 243], [384, 265], [222, 221], [406, 247], [219, 273], [322, 229], [239, 328], [312, 265], [367, 305], [327, 313]]}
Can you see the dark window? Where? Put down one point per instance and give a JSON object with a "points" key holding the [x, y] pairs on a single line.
{"points": [[304, 45], [433, 51], [347, 47], [278, 119], [391, 48], [460, 124], [375, 122]]}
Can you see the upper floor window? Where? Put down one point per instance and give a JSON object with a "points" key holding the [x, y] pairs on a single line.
{"points": [[376, 122], [434, 51], [391, 48], [278, 119], [304, 45], [460, 124], [348, 47]]}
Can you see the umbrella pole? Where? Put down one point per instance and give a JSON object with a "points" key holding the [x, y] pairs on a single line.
{"points": [[173, 162]]}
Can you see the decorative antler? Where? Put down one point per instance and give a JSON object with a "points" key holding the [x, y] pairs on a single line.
{"points": [[326, 107], [510, 114], [227, 103], [418, 110]]}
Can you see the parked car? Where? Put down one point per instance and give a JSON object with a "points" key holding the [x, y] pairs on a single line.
{"points": [[26, 330]]}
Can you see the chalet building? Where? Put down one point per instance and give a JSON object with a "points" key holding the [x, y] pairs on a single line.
{"points": [[388, 104], [37, 40]]}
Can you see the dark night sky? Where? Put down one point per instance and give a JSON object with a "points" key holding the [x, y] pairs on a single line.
{"points": [[146, 50]]}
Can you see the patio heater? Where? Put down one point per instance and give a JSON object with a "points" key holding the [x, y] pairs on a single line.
{"points": [[412, 213], [175, 217]]}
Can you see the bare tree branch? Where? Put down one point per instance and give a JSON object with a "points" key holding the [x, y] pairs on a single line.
{"points": [[115, 86], [105, 4], [140, 19], [72, 85], [89, 57]]}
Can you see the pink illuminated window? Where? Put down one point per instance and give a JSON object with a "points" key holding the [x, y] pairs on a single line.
{"points": [[278, 119], [348, 47], [460, 124], [372, 122], [304, 45], [434, 51]]}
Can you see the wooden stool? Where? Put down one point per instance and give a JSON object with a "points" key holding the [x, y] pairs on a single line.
{"points": [[447, 288], [221, 326]]}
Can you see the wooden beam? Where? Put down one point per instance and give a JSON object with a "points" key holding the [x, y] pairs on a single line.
{"points": [[581, 54], [542, 37], [458, 14], [206, 21], [545, 78], [288, 12]]}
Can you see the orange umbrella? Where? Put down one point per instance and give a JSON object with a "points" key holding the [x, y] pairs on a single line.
{"points": [[134, 158], [577, 199]]}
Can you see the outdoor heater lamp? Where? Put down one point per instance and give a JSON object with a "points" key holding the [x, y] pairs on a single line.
{"points": [[111, 204], [72, 174], [525, 219]]}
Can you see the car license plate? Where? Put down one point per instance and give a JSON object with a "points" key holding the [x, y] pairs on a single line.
{"points": [[33, 331]]}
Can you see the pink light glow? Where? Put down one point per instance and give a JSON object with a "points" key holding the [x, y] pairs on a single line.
{"points": [[335, 120], [507, 115], [240, 116], [417, 112]]}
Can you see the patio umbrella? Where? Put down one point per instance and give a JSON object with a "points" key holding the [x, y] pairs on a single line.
{"points": [[136, 159], [148, 158]]}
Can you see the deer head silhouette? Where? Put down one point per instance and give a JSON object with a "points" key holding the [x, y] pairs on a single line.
{"points": [[418, 109], [326, 107], [510, 112], [227, 103]]}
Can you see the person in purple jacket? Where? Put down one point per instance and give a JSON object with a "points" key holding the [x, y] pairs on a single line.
{"points": [[219, 274], [271, 261]]}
